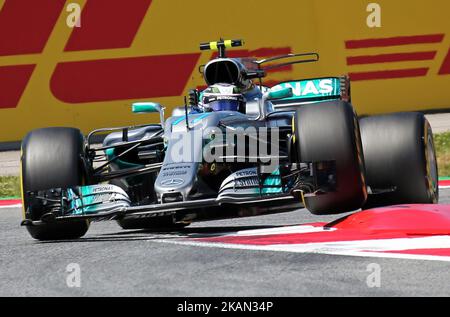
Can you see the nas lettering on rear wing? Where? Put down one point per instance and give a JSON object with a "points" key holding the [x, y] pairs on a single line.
{"points": [[314, 90]]}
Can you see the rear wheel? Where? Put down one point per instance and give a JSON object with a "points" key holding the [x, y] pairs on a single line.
{"points": [[400, 159], [51, 158], [329, 131]]}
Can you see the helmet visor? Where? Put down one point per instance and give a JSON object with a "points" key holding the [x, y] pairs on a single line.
{"points": [[223, 103]]}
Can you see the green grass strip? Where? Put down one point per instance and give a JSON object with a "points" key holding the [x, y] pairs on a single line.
{"points": [[9, 186], [442, 144], [9, 198]]}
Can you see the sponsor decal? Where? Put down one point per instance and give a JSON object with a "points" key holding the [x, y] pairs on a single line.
{"points": [[172, 182], [126, 50], [25, 28], [306, 89], [384, 58]]}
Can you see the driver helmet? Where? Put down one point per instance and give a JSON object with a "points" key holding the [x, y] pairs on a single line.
{"points": [[223, 97]]}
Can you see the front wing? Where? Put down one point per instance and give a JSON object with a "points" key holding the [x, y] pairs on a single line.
{"points": [[108, 203]]}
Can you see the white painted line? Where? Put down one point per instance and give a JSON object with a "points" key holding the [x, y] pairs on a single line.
{"points": [[11, 206], [361, 248], [279, 230]]}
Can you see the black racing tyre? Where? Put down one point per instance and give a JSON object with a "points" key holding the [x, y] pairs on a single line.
{"points": [[329, 131], [51, 158], [400, 155]]}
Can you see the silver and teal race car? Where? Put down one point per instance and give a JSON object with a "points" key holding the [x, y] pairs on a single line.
{"points": [[236, 148]]}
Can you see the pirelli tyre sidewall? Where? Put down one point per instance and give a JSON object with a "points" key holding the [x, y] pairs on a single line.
{"points": [[400, 155], [51, 158], [329, 131]]}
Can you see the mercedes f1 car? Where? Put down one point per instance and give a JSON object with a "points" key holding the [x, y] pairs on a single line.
{"points": [[236, 148]]}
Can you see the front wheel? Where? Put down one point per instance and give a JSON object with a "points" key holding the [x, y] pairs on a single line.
{"points": [[51, 158], [329, 131]]}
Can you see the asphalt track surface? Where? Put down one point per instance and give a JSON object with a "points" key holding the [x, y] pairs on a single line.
{"points": [[114, 262]]}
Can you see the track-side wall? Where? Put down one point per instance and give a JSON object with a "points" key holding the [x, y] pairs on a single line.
{"points": [[124, 51]]}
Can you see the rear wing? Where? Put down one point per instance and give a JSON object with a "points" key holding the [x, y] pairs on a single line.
{"points": [[313, 90]]}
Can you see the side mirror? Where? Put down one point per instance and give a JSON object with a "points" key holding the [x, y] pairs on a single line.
{"points": [[145, 107], [149, 107], [280, 94]]}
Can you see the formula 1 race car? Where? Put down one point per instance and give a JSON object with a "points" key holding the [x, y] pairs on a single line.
{"points": [[236, 148]]}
